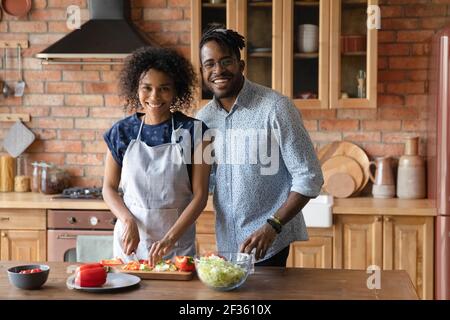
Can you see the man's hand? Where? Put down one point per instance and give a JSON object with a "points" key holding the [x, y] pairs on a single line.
{"points": [[130, 237], [261, 240]]}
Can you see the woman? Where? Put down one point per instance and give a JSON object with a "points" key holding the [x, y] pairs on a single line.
{"points": [[163, 195]]}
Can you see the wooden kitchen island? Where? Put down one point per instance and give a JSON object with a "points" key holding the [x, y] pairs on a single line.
{"points": [[265, 284]]}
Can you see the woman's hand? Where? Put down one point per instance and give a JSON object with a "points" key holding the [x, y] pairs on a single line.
{"points": [[159, 249], [130, 237]]}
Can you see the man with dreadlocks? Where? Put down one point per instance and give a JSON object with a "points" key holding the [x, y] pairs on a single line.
{"points": [[256, 211]]}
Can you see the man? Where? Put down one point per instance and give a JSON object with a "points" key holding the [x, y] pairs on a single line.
{"points": [[256, 211]]}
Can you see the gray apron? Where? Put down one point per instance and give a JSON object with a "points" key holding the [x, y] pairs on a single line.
{"points": [[157, 189]]}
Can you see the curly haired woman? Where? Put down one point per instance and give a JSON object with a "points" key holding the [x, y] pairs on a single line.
{"points": [[149, 155]]}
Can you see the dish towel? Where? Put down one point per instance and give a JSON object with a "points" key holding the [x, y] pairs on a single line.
{"points": [[94, 248]]}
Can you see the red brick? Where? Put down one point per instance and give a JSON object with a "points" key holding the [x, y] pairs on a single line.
{"points": [[325, 136], [74, 171], [149, 4], [48, 75], [425, 10], [95, 147], [43, 100], [356, 114], [343, 125], [187, 13], [381, 125], [36, 146], [99, 88], [39, 4], [414, 36], [382, 63], [386, 36], [414, 125], [136, 14], [58, 26], [35, 111], [109, 76], [176, 26], [87, 182], [406, 87], [316, 114], [34, 87], [418, 75], [45, 134], [390, 100], [408, 62], [391, 11], [48, 14], [420, 49], [85, 159], [55, 123], [113, 101], [62, 146], [392, 75], [81, 76], [101, 111], [393, 49], [84, 100], [383, 149], [163, 14], [310, 125], [77, 134], [362, 136], [400, 24], [44, 39], [398, 113], [434, 23], [92, 171], [150, 26], [416, 100], [93, 123], [27, 26], [179, 3], [396, 137], [63, 87], [69, 112], [96, 67]]}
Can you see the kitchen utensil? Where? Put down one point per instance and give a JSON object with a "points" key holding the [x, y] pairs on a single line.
{"points": [[383, 180], [5, 89], [18, 138], [114, 281], [20, 85], [341, 185], [411, 172], [350, 150], [6, 173], [17, 8], [30, 281], [342, 164]]}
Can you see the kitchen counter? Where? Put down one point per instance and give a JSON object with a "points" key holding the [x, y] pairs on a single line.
{"points": [[265, 284], [361, 205]]}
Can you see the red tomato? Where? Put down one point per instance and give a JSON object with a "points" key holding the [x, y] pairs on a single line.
{"points": [[35, 270], [184, 263]]}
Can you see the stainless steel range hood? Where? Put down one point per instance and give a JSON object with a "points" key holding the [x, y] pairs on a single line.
{"points": [[109, 34]]}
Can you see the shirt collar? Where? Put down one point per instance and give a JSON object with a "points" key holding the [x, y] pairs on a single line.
{"points": [[243, 99]]}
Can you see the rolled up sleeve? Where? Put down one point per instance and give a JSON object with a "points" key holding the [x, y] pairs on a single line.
{"points": [[296, 149]]}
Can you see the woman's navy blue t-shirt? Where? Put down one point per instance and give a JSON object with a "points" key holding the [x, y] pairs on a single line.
{"points": [[122, 132]]}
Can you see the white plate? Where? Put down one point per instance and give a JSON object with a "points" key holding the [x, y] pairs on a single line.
{"points": [[114, 281]]}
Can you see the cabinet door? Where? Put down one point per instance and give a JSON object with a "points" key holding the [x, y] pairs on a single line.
{"points": [[314, 253], [203, 14], [23, 245], [205, 243], [358, 241], [354, 52], [305, 33], [260, 22], [408, 245]]}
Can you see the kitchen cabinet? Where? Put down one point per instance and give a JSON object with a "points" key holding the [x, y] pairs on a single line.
{"points": [[205, 239], [22, 235], [281, 50], [390, 242], [317, 252]]}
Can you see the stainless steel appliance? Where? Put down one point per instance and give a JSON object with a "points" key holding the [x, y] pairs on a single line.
{"points": [[65, 225]]}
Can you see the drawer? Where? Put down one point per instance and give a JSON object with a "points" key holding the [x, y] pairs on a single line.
{"points": [[206, 222], [27, 219]]}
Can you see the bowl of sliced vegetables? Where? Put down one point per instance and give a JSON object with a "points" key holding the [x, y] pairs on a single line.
{"points": [[223, 271]]}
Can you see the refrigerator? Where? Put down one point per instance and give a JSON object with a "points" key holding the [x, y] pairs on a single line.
{"points": [[438, 155]]}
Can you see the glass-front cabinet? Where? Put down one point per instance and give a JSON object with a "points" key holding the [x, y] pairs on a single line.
{"points": [[318, 52], [354, 51]]}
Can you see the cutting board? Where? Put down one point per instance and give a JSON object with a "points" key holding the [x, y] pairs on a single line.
{"points": [[345, 148], [154, 275], [342, 164]]}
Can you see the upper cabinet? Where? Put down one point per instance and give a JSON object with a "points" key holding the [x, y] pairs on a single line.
{"points": [[313, 51]]}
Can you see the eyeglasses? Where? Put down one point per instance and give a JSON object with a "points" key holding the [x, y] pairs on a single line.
{"points": [[224, 63]]}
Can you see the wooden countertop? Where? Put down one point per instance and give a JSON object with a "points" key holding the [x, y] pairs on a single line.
{"points": [[366, 205], [266, 284]]}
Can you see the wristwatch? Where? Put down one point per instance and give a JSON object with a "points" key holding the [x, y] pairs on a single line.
{"points": [[277, 226]]}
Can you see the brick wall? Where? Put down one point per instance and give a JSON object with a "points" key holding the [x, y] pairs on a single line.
{"points": [[71, 105]]}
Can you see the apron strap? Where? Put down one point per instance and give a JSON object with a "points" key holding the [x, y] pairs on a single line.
{"points": [[140, 128], [173, 138]]}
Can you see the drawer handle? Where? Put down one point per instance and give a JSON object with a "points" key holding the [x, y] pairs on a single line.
{"points": [[4, 218], [4, 234], [66, 237], [378, 218], [388, 219]]}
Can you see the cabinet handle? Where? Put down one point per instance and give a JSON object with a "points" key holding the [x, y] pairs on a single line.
{"points": [[4, 218], [388, 219], [378, 218], [66, 236], [4, 234]]}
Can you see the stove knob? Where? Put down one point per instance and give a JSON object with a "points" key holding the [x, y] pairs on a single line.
{"points": [[71, 220], [93, 221]]}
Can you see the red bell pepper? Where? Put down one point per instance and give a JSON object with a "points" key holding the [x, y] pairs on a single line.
{"points": [[184, 263], [90, 275]]}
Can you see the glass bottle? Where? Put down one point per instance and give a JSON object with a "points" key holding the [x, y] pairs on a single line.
{"points": [[361, 78], [53, 179], [36, 177], [22, 179]]}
